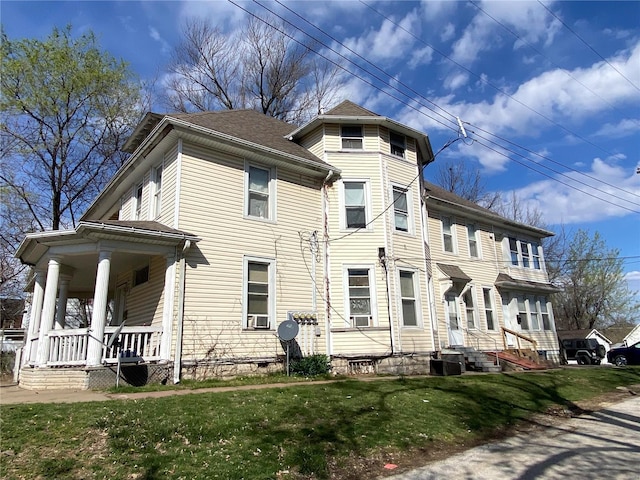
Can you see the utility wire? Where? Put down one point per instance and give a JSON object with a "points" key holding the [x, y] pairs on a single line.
{"points": [[588, 46]]}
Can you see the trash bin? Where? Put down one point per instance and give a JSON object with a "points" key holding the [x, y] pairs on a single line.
{"points": [[454, 357], [439, 366]]}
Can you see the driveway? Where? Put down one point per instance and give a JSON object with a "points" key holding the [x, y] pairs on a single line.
{"points": [[600, 445]]}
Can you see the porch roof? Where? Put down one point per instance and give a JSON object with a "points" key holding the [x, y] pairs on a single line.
{"points": [[505, 281], [454, 272]]}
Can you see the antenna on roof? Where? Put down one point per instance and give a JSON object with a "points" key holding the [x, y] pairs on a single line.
{"points": [[462, 130]]}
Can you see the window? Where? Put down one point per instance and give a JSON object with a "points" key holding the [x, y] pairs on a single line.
{"points": [[544, 313], [447, 234], [473, 241], [360, 309], [157, 194], [470, 309], [535, 255], [259, 293], [355, 204], [141, 276], [533, 312], [488, 308], [138, 197], [523, 317], [513, 247], [407, 293], [351, 137], [452, 310], [398, 144], [400, 209], [524, 254], [259, 198]]}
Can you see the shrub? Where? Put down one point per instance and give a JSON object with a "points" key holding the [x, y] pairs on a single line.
{"points": [[311, 366]]}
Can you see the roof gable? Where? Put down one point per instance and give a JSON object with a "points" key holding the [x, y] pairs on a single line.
{"points": [[350, 109]]}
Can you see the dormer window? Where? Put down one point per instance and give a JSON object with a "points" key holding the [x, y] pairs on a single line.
{"points": [[351, 137], [398, 144]]}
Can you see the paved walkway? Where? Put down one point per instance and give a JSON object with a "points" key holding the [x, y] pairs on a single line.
{"points": [[600, 445]]}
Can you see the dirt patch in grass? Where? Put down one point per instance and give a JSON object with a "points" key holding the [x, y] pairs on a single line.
{"points": [[354, 467]]}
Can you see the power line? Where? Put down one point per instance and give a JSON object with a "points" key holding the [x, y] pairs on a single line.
{"points": [[588, 46]]}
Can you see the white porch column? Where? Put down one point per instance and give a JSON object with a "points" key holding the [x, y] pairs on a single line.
{"points": [[35, 314], [48, 310], [99, 315], [167, 309], [63, 294]]}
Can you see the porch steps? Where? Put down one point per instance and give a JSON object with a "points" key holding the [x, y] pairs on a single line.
{"points": [[478, 361], [519, 361]]}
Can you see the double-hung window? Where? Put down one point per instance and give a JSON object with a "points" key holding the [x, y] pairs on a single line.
{"points": [[409, 301], [535, 315], [351, 136], [523, 315], [259, 193], [524, 246], [544, 313], [472, 233], [360, 302], [524, 254], [488, 308], [355, 195], [447, 234], [400, 209], [535, 255], [398, 144], [157, 194], [513, 248], [138, 198], [259, 293], [470, 308]]}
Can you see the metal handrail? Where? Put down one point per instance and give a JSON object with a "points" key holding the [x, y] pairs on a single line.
{"points": [[495, 342]]}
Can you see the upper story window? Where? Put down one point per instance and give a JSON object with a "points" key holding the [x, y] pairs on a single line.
{"points": [[447, 234], [259, 194], [351, 136], [157, 194], [400, 209], [138, 199], [524, 254], [472, 234], [355, 204], [398, 144]]}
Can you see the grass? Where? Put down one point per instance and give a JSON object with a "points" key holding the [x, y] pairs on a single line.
{"points": [[305, 431]]}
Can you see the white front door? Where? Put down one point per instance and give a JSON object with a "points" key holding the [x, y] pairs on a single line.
{"points": [[508, 323], [453, 321]]}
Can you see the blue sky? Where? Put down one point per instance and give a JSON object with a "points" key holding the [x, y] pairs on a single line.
{"points": [[551, 90]]}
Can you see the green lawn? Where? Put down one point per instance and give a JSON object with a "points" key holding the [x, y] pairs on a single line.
{"points": [[301, 431]]}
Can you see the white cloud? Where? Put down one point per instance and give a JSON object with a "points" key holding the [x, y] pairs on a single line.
{"points": [[559, 203], [624, 128], [164, 45], [448, 31], [421, 56]]}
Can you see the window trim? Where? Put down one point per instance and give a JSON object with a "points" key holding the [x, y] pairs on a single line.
{"points": [[409, 200], [474, 308], [373, 304], [489, 308], [416, 298], [272, 192], [368, 225], [476, 239], [138, 200], [351, 137], [157, 190], [271, 292], [397, 144], [452, 233], [517, 249]]}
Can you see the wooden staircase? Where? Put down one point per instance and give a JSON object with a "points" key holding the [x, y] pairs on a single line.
{"points": [[520, 359]]}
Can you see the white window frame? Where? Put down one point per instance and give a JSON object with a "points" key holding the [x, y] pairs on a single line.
{"points": [[416, 297], [157, 190], [472, 324], [138, 200], [525, 254], [272, 187], [409, 200], [271, 292], [452, 233], [400, 145], [534, 313], [373, 304], [525, 321], [489, 307], [351, 138], [472, 227], [543, 301], [451, 298], [367, 207], [536, 257]]}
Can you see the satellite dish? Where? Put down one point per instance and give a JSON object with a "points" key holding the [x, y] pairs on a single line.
{"points": [[288, 330], [115, 335]]}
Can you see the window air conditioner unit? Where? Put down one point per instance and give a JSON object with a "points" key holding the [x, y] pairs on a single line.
{"points": [[259, 321]]}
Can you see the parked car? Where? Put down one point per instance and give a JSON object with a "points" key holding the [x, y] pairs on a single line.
{"points": [[586, 351], [621, 356]]}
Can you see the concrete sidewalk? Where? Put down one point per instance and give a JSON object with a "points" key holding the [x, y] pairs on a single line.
{"points": [[604, 444]]}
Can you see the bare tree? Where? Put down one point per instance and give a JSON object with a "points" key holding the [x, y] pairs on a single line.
{"points": [[456, 177], [259, 67]]}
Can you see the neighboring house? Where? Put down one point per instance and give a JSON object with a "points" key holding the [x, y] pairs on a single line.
{"points": [[491, 290], [586, 334], [222, 225], [623, 336]]}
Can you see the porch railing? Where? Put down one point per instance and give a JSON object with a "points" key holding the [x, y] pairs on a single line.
{"points": [[69, 346], [519, 337]]}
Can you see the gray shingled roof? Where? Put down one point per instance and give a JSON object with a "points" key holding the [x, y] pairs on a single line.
{"points": [[350, 109], [140, 225], [254, 127], [506, 281], [453, 272]]}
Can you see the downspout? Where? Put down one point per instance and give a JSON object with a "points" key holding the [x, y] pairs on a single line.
{"points": [[180, 327], [326, 265], [383, 263]]}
